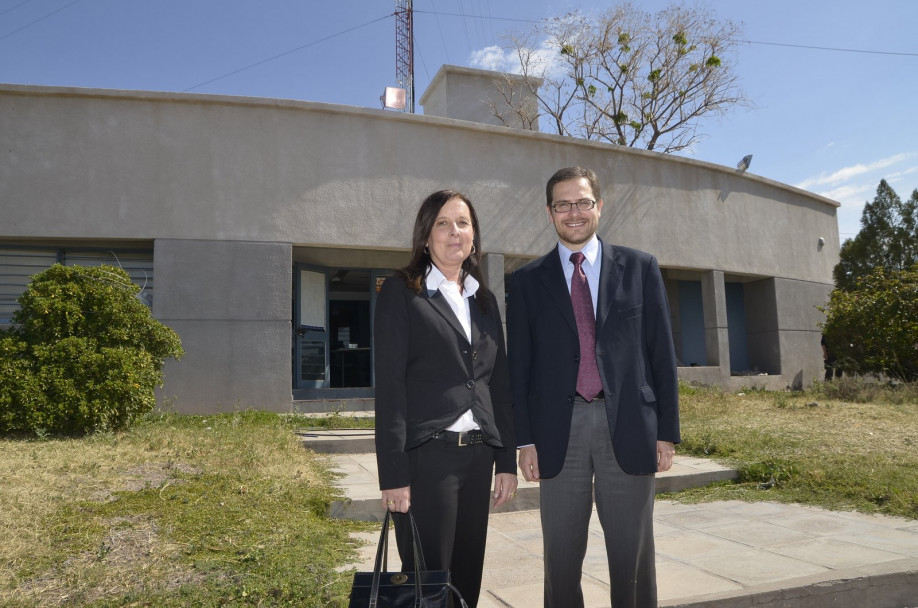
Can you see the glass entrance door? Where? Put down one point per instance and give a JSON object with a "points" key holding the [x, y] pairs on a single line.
{"points": [[333, 327], [311, 369]]}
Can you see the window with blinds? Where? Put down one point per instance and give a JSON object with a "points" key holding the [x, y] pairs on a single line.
{"points": [[19, 263]]}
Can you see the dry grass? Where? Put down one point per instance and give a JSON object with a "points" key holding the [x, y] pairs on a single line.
{"points": [[204, 511], [808, 447], [41, 478], [228, 510]]}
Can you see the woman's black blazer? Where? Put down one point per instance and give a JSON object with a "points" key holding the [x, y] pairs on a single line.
{"points": [[427, 375]]}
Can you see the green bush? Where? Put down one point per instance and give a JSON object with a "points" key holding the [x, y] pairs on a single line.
{"points": [[84, 354], [873, 328], [20, 391]]}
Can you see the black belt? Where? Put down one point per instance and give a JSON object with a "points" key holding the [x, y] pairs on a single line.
{"points": [[461, 438]]}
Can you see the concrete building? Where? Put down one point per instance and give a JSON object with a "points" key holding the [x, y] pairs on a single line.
{"points": [[262, 229]]}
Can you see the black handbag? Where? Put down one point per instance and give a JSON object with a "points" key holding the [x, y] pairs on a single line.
{"points": [[419, 589]]}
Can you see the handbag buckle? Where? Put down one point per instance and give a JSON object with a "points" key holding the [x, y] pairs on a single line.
{"points": [[399, 578]]}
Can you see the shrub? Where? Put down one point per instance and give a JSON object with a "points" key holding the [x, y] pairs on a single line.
{"points": [[19, 391], [84, 354], [873, 329]]}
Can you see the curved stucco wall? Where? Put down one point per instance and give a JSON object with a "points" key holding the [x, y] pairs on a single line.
{"points": [[108, 164], [230, 192]]}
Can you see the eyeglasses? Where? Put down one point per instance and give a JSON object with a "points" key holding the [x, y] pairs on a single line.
{"points": [[565, 206]]}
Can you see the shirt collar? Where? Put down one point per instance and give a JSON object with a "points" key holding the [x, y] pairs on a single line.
{"points": [[590, 251], [435, 278]]}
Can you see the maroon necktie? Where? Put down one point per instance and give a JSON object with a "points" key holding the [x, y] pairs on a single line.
{"points": [[588, 382]]}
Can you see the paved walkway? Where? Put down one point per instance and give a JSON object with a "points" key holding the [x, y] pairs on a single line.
{"points": [[712, 555]]}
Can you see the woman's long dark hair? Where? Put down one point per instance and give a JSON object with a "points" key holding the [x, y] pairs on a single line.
{"points": [[415, 272]]}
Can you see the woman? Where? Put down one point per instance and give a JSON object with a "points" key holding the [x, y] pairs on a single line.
{"points": [[443, 411]]}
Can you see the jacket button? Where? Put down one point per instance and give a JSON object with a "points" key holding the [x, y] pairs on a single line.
{"points": [[470, 384], [571, 399], [474, 354]]}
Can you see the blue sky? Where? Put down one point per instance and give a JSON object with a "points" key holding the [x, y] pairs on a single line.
{"points": [[834, 122]]}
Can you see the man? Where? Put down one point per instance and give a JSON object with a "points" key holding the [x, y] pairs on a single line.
{"points": [[595, 394]]}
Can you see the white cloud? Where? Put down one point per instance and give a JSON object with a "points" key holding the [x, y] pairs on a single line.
{"points": [[491, 58], [544, 60], [896, 178], [847, 173], [854, 194]]}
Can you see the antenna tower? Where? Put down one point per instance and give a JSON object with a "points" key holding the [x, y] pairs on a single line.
{"points": [[404, 50]]}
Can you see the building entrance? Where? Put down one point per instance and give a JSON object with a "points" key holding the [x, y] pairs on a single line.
{"points": [[333, 331]]}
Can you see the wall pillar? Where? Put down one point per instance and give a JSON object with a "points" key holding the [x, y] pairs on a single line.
{"points": [[229, 301], [492, 267], [716, 334]]}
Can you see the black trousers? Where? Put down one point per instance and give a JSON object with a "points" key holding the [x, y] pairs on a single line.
{"points": [[450, 499]]}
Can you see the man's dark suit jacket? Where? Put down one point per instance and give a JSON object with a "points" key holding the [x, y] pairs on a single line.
{"points": [[634, 351], [427, 375]]}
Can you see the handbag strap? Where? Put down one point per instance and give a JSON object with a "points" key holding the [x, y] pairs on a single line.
{"points": [[381, 564], [381, 552], [416, 539]]}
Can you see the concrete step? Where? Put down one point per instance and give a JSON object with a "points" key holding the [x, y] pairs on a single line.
{"points": [[332, 406], [352, 454], [338, 441]]}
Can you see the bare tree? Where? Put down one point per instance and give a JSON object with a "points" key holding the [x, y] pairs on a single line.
{"points": [[626, 76]]}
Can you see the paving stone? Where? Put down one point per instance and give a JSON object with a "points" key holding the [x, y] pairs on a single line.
{"points": [[726, 554]]}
